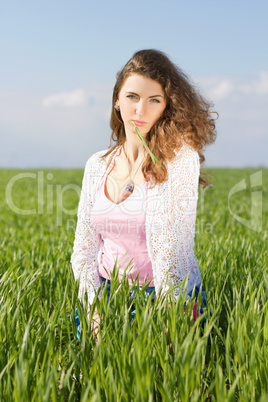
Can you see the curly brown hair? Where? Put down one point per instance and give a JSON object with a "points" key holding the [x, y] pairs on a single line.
{"points": [[186, 118]]}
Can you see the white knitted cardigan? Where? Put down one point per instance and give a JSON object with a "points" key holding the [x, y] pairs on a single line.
{"points": [[170, 226]]}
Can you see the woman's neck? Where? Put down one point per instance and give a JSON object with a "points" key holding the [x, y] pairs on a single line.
{"points": [[135, 150]]}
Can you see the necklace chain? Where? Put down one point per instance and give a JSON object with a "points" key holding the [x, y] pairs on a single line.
{"points": [[130, 184]]}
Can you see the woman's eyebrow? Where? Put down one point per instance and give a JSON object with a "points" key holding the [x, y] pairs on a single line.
{"points": [[156, 96], [153, 96]]}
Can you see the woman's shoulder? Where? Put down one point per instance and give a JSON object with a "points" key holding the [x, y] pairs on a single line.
{"points": [[185, 154], [186, 160], [95, 162], [186, 150], [97, 155]]}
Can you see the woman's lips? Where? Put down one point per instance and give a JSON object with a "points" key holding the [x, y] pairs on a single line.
{"points": [[139, 123]]}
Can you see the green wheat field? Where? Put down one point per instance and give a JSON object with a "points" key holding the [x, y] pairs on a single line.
{"points": [[41, 358]]}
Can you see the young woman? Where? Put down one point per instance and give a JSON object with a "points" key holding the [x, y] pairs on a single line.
{"points": [[133, 207]]}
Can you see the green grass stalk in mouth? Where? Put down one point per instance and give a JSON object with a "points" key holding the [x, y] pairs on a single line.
{"points": [[154, 158]]}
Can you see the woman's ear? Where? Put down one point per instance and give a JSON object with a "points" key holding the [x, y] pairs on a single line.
{"points": [[116, 106]]}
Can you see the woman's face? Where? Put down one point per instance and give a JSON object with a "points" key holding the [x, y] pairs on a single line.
{"points": [[141, 100]]}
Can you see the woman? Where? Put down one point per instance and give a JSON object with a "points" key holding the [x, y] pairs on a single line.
{"points": [[132, 208]]}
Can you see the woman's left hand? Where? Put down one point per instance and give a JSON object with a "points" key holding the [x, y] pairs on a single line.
{"points": [[95, 322]]}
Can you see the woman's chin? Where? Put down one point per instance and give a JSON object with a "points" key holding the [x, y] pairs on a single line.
{"points": [[131, 132]]}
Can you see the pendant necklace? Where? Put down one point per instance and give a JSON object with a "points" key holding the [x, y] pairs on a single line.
{"points": [[130, 184]]}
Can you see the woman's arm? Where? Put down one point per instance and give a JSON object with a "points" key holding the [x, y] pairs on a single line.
{"points": [[173, 231], [87, 241]]}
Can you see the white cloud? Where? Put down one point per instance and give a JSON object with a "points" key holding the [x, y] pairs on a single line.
{"points": [[262, 85], [258, 85], [66, 99], [220, 88]]}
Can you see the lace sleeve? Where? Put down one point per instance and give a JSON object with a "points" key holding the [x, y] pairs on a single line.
{"points": [[87, 241], [173, 232]]}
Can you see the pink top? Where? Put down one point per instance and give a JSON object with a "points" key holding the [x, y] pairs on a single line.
{"points": [[122, 229]]}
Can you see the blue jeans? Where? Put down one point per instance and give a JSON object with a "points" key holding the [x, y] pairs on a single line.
{"points": [[148, 292]]}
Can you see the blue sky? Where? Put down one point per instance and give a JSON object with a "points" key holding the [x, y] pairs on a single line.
{"points": [[59, 59]]}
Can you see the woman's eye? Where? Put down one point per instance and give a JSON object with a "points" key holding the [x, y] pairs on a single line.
{"points": [[132, 96], [155, 101]]}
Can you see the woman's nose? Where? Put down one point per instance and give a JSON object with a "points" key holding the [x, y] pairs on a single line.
{"points": [[140, 108]]}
